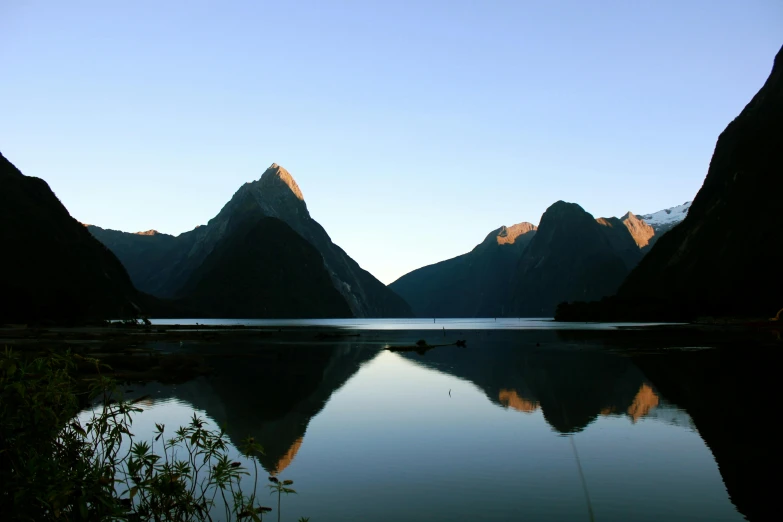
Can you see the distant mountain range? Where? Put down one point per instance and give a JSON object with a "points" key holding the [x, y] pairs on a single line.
{"points": [[526, 270], [261, 256], [264, 256]]}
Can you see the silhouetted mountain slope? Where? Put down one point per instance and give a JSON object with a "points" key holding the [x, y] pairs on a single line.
{"points": [[471, 285], [148, 257], [278, 195], [725, 258], [263, 269], [51, 267], [485, 282], [169, 264], [571, 257]]}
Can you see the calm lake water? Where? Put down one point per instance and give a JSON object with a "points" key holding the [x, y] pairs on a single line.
{"points": [[500, 323], [532, 425]]}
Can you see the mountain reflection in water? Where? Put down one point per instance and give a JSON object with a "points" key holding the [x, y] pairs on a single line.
{"points": [[353, 459], [646, 399], [571, 385]]}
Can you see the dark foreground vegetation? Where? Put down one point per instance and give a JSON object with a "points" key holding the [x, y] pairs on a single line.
{"points": [[55, 465]]}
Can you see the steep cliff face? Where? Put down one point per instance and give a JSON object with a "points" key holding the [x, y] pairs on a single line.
{"points": [[725, 258], [51, 268], [163, 267], [475, 284], [571, 257]]}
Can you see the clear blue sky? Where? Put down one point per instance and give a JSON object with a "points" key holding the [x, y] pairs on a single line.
{"points": [[413, 128]]}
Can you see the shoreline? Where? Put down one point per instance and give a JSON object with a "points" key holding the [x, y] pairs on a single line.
{"points": [[178, 353]]}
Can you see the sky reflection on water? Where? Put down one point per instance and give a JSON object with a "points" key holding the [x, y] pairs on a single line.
{"points": [[474, 434]]}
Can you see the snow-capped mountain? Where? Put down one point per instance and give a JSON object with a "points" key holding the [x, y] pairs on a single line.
{"points": [[664, 220]]}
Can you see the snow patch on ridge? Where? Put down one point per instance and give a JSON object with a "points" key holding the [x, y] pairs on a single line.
{"points": [[669, 216]]}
